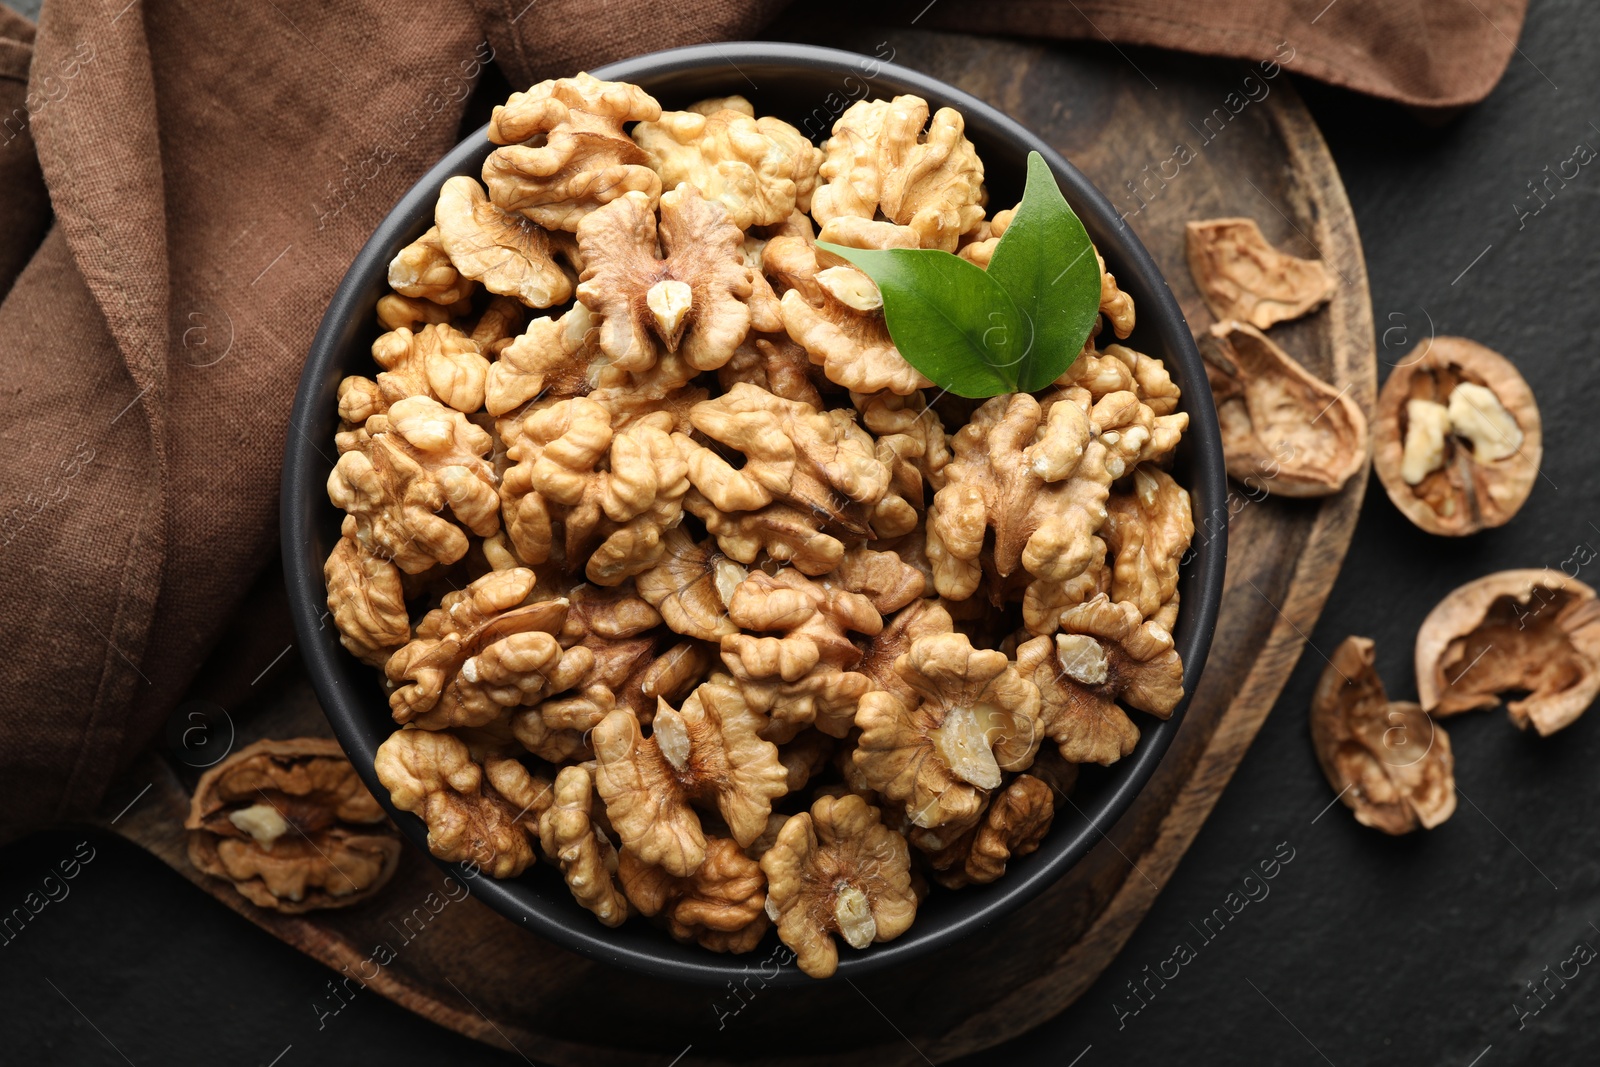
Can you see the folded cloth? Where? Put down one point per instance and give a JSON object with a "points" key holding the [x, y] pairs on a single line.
{"points": [[1419, 52], [212, 170]]}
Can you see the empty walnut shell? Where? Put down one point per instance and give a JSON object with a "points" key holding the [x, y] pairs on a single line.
{"points": [[291, 826], [1241, 276], [1454, 458], [1390, 763], [1524, 631], [1283, 429]]}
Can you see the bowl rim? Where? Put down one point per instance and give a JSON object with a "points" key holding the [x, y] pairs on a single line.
{"points": [[303, 494]]}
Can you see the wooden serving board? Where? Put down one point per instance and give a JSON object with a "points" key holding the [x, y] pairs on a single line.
{"points": [[466, 968]]}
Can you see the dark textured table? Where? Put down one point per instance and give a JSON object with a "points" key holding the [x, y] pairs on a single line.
{"points": [[1366, 950]]}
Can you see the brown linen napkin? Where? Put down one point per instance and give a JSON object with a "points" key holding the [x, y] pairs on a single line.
{"points": [[1426, 53], [213, 169]]}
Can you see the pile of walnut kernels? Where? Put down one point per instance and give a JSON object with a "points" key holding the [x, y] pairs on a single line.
{"points": [[693, 584]]}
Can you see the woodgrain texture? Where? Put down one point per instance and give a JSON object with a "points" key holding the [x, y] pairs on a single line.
{"points": [[465, 968]]}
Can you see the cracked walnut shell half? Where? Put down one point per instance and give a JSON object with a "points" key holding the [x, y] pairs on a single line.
{"points": [[1241, 276], [1283, 429], [1458, 440], [837, 870], [1530, 632], [1389, 761], [291, 826]]}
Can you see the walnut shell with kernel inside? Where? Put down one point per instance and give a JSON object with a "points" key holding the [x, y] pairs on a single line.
{"points": [[291, 826], [1458, 441]]}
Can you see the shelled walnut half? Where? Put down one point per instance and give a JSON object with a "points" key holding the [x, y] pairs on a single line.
{"points": [[1105, 653], [707, 752], [721, 906], [484, 813], [291, 826], [1283, 429], [1389, 762], [838, 870], [973, 717], [1458, 439], [1533, 632]]}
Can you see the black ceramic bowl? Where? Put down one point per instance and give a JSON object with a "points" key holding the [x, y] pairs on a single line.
{"points": [[808, 86]]}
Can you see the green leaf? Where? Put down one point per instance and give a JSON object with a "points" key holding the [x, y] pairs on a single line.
{"points": [[1046, 262], [949, 318]]}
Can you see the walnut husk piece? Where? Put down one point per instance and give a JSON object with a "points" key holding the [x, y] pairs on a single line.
{"points": [[1534, 632], [1283, 429], [1241, 276], [1390, 763], [1458, 440], [291, 826]]}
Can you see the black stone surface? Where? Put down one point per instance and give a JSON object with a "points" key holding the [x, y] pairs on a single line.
{"points": [[1365, 950]]}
